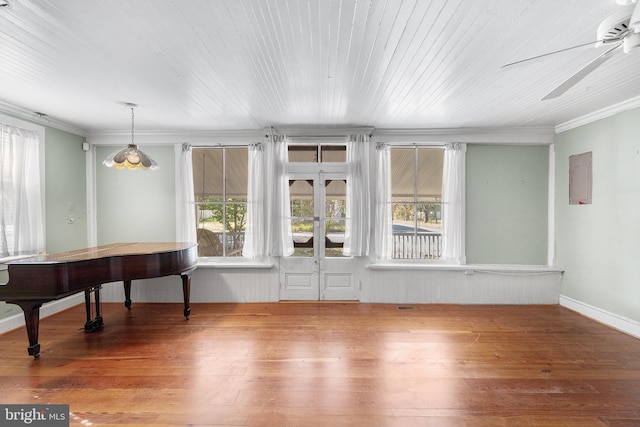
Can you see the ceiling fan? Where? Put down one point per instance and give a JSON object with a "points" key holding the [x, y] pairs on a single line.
{"points": [[620, 32]]}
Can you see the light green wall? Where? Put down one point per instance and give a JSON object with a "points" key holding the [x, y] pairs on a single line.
{"points": [[138, 205], [65, 191], [506, 204], [598, 245]]}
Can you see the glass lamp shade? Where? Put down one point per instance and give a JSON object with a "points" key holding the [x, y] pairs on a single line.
{"points": [[130, 157]]}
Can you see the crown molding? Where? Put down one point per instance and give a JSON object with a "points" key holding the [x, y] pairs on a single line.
{"points": [[478, 135], [507, 135], [321, 131], [163, 137], [40, 119], [600, 114]]}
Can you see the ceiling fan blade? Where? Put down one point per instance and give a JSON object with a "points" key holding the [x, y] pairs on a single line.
{"points": [[581, 74], [533, 58]]}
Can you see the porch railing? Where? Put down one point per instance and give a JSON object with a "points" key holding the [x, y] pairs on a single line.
{"points": [[421, 245], [417, 245]]}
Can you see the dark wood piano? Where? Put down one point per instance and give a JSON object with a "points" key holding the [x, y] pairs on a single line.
{"points": [[39, 279]]}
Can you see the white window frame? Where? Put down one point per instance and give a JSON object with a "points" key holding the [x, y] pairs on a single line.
{"points": [[415, 202], [426, 263], [224, 257]]}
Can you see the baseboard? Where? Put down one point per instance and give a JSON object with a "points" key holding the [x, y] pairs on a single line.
{"points": [[17, 320], [623, 324]]}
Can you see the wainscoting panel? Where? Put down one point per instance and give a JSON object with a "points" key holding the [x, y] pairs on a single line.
{"points": [[406, 285], [207, 285], [460, 287]]}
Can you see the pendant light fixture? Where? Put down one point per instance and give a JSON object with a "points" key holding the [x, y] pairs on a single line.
{"points": [[130, 157]]}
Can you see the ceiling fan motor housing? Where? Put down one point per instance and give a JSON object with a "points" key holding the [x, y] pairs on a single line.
{"points": [[616, 26]]}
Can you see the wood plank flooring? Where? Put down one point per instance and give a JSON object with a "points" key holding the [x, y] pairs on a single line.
{"points": [[329, 364]]}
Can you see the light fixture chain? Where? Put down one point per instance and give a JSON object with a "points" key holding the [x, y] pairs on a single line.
{"points": [[132, 126]]}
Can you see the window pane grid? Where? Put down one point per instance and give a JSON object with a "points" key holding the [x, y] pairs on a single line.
{"points": [[416, 187], [220, 183]]}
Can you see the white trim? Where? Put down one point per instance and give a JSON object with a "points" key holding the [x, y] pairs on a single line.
{"points": [[622, 324], [44, 120], [506, 135], [551, 207], [92, 216], [463, 207], [162, 137], [17, 320], [321, 131], [241, 263], [600, 114], [467, 268]]}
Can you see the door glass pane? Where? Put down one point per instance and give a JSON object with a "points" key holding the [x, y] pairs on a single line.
{"points": [[335, 209], [301, 197]]}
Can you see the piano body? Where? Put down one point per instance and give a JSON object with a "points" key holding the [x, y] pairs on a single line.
{"points": [[39, 279]]}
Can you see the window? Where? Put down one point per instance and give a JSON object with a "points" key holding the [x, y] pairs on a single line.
{"points": [[317, 153], [21, 197], [220, 187], [416, 202]]}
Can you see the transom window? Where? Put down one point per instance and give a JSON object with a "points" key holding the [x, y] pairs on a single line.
{"points": [[317, 153]]}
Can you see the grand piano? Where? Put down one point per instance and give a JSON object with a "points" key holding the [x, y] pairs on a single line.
{"points": [[39, 279]]}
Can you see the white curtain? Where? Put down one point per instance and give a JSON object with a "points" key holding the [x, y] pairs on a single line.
{"points": [[356, 242], [254, 243], [452, 192], [185, 203], [383, 231], [279, 236], [21, 213]]}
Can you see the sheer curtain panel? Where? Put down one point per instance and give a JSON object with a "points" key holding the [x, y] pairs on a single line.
{"points": [[279, 235], [254, 242], [21, 214], [382, 228], [357, 231], [452, 192], [185, 203]]}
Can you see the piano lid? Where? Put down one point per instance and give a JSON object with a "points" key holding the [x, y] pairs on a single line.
{"points": [[105, 251]]}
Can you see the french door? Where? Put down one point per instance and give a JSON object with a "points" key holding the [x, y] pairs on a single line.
{"points": [[318, 269]]}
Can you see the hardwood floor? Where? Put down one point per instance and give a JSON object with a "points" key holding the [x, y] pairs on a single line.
{"points": [[329, 364]]}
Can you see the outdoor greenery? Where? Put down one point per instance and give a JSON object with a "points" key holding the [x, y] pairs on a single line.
{"points": [[232, 214], [424, 212], [228, 218]]}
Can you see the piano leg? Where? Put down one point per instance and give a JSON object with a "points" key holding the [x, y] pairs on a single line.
{"points": [[186, 291], [32, 321], [127, 294], [92, 325]]}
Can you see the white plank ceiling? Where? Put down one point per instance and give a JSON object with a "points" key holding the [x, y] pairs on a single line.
{"points": [[248, 64]]}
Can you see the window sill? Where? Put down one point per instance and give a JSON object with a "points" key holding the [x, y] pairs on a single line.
{"points": [[466, 268], [227, 263]]}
